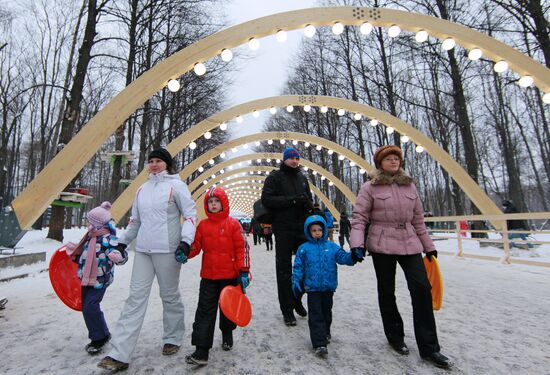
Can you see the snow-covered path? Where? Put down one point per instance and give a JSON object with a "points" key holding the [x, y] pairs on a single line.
{"points": [[494, 320]]}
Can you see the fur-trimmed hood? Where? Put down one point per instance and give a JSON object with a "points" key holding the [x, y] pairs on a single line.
{"points": [[379, 177]]}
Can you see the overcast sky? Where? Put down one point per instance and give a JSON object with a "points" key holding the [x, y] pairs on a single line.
{"points": [[264, 73]]}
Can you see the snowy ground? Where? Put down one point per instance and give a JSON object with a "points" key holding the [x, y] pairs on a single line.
{"points": [[494, 320]]}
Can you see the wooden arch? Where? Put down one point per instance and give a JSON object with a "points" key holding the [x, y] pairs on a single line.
{"points": [[36, 197]]}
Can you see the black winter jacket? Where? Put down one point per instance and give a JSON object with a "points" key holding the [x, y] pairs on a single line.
{"points": [[287, 195]]}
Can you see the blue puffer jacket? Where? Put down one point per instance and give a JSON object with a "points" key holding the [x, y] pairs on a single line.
{"points": [[315, 261]]}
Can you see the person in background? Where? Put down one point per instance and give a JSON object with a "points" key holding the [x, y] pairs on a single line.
{"points": [[287, 195], [345, 227], [389, 202], [256, 231], [268, 236], [162, 246], [520, 225]]}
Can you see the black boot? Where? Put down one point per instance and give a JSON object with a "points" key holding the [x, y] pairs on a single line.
{"points": [[96, 346], [199, 357], [299, 307], [400, 348], [227, 341], [438, 360], [289, 318]]}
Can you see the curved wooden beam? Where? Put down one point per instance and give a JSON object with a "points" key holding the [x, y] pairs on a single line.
{"points": [[36, 197]]}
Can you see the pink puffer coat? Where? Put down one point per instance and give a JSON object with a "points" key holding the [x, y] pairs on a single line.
{"points": [[392, 206]]}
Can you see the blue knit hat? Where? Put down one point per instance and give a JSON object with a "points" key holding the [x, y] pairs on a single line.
{"points": [[290, 152]]}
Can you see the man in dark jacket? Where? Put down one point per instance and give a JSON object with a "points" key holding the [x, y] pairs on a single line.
{"points": [[345, 227], [510, 208], [286, 193]]}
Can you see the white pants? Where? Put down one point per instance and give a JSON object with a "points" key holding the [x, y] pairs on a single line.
{"points": [[128, 326]]}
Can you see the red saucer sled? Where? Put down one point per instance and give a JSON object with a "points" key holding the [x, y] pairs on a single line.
{"points": [[64, 279], [235, 305]]}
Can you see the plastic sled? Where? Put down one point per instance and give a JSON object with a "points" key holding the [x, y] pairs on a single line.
{"points": [[64, 279], [436, 281], [235, 305]]}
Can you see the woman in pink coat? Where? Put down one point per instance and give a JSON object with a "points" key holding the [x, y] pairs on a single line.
{"points": [[389, 206]]}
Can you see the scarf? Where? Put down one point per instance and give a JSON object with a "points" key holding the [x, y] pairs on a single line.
{"points": [[89, 273]]}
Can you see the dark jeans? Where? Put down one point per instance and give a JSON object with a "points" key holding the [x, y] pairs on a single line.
{"points": [[286, 244], [269, 241], [420, 290], [257, 238], [319, 305], [205, 317], [93, 316], [341, 238]]}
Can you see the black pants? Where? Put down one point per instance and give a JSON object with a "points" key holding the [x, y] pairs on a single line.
{"points": [[341, 238], [93, 316], [420, 290], [269, 241], [205, 317], [319, 305], [257, 238], [286, 244]]}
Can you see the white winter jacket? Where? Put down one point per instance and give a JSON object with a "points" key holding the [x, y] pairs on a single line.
{"points": [[156, 212]]}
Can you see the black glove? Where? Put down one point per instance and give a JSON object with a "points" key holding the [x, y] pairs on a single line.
{"points": [[431, 254], [358, 254], [182, 252], [121, 247]]}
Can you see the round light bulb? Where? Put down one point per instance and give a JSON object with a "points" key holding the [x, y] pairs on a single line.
{"points": [[207, 135], [330, 183], [341, 112], [323, 178], [324, 109], [419, 149], [256, 114], [357, 116], [239, 119], [199, 69], [234, 149], [309, 31], [341, 157], [253, 44], [278, 160], [362, 171], [448, 44], [174, 85], [525, 81], [307, 108], [338, 28], [318, 147], [307, 144], [222, 155], [273, 110], [475, 54], [294, 142], [365, 28], [258, 160], [421, 36], [257, 143], [546, 98], [394, 31], [204, 182], [282, 141], [270, 142], [305, 169], [192, 145], [314, 173], [389, 130], [405, 139], [201, 169], [245, 146], [211, 161], [223, 126], [289, 108], [352, 164], [373, 122], [281, 36], [500, 66], [330, 152], [227, 55], [268, 160]]}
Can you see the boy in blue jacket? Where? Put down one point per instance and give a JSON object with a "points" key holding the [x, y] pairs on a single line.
{"points": [[315, 273]]}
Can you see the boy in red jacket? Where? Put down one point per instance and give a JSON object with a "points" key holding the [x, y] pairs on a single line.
{"points": [[225, 261]]}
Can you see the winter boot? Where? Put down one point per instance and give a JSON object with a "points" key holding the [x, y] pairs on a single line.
{"points": [[199, 357], [321, 351], [96, 346], [3, 302], [227, 341], [290, 320], [169, 349], [112, 364]]}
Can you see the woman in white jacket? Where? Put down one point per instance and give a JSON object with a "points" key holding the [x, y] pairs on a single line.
{"points": [[162, 245]]}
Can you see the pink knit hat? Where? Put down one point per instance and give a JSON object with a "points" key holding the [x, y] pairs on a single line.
{"points": [[100, 216]]}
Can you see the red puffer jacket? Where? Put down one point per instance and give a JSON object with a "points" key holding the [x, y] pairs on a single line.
{"points": [[226, 253]]}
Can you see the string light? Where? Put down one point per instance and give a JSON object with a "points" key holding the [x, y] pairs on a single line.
{"points": [[394, 31], [307, 108], [174, 85], [373, 122], [253, 44], [289, 108], [192, 145], [207, 135], [421, 36], [223, 126], [281, 36], [226, 55], [273, 110], [309, 31], [475, 54], [448, 44], [525, 81], [324, 109], [500, 66], [337, 28], [365, 28], [199, 69]]}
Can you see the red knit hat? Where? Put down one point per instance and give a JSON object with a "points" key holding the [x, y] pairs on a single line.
{"points": [[384, 151]]}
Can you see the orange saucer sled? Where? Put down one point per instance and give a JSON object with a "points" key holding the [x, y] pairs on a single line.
{"points": [[235, 305], [64, 280], [436, 280]]}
